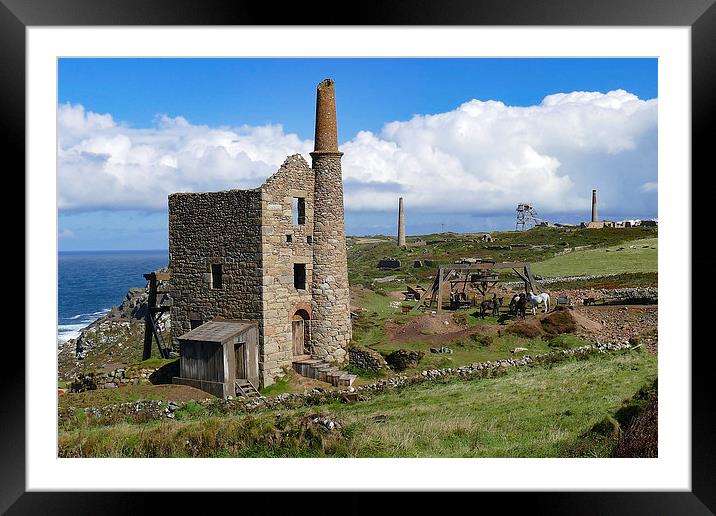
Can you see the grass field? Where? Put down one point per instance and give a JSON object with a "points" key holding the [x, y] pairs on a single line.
{"points": [[528, 412], [534, 245], [610, 260]]}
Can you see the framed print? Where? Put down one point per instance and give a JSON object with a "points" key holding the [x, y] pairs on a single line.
{"points": [[415, 250]]}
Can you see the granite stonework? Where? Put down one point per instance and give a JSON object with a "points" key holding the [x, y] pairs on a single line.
{"points": [[258, 236]]}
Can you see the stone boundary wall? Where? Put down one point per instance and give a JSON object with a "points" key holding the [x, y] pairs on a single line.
{"points": [[124, 376], [318, 396], [110, 379], [367, 359]]}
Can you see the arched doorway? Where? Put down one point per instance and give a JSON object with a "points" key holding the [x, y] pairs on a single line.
{"points": [[301, 332]]}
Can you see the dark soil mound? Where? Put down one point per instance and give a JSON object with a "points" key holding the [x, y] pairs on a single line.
{"points": [[641, 438], [528, 328], [558, 322]]}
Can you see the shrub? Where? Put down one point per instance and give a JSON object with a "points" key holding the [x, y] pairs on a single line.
{"points": [[628, 412], [459, 318], [401, 359], [608, 427]]}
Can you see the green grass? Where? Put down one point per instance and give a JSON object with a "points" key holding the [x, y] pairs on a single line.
{"points": [[363, 255], [610, 260], [468, 350], [280, 386], [152, 363], [628, 279], [124, 394], [528, 412]]}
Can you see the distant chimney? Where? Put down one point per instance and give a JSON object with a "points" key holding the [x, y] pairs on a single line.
{"points": [[595, 218], [401, 223]]}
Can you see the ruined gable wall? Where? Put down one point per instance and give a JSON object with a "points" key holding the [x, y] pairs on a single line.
{"points": [[280, 298], [215, 227]]}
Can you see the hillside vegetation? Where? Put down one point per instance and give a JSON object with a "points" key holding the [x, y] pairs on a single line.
{"points": [[535, 245], [528, 412], [629, 257]]}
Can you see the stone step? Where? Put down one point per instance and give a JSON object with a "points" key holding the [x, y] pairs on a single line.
{"points": [[323, 371]]}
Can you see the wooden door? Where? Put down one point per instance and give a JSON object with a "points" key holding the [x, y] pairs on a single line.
{"points": [[241, 365], [298, 339]]}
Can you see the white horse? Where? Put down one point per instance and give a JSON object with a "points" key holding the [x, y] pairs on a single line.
{"points": [[536, 300]]}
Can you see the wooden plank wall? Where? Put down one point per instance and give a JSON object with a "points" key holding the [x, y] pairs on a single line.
{"points": [[202, 361]]}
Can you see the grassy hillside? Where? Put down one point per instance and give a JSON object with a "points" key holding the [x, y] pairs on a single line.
{"points": [[636, 256], [534, 245], [528, 412]]}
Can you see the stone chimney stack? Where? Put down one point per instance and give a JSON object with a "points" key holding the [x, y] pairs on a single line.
{"points": [[595, 218], [330, 318], [401, 224]]}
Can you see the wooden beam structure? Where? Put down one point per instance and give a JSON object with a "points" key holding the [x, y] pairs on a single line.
{"points": [[152, 317], [484, 281]]}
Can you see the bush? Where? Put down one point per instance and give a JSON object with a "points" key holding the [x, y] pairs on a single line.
{"points": [[628, 412], [459, 318], [401, 359], [641, 438], [608, 427]]}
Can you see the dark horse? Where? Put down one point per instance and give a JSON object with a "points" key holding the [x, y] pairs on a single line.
{"points": [[518, 305], [492, 305]]}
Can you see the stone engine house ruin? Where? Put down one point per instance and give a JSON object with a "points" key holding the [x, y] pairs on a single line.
{"points": [[275, 255]]}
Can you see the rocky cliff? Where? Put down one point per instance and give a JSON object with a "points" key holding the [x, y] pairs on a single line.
{"points": [[115, 339]]}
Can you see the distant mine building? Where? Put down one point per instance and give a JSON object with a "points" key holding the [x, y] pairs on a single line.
{"points": [[526, 216], [273, 256]]}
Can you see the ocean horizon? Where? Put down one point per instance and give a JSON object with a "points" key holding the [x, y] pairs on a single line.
{"points": [[91, 282]]}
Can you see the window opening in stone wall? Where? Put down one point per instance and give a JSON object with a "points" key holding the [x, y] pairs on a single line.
{"points": [[289, 238], [216, 276], [195, 323], [299, 276], [309, 239], [298, 205]]}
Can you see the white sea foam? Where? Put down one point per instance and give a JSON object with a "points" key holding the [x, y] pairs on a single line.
{"points": [[100, 313], [66, 332]]}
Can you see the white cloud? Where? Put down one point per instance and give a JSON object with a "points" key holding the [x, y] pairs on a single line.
{"points": [[66, 233], [481, 158], [651, 186]]}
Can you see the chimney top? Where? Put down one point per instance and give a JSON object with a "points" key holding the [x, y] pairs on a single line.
{"points": [[326, 140]]}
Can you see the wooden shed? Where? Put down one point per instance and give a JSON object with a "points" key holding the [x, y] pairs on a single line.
{"points": [[219, 355]]}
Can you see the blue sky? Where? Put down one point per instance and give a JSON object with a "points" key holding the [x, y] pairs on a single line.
{"points": [[199, 97]]}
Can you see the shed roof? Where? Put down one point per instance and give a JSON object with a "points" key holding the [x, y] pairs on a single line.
{"points": [[218, 331]]}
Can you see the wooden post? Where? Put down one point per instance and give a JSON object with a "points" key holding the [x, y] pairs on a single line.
{"points": [[440, 289], [149, 316]]}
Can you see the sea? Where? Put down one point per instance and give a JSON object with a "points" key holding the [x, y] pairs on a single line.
{"points": [[91, 282]]}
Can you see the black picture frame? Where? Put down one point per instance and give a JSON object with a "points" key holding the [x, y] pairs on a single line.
{"points": [[699, 15]]}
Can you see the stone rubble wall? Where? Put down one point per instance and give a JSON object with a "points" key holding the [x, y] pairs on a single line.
{"points": [[281, 299], [222, 228], [111, 379], [318, 396], [366, 359]]}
